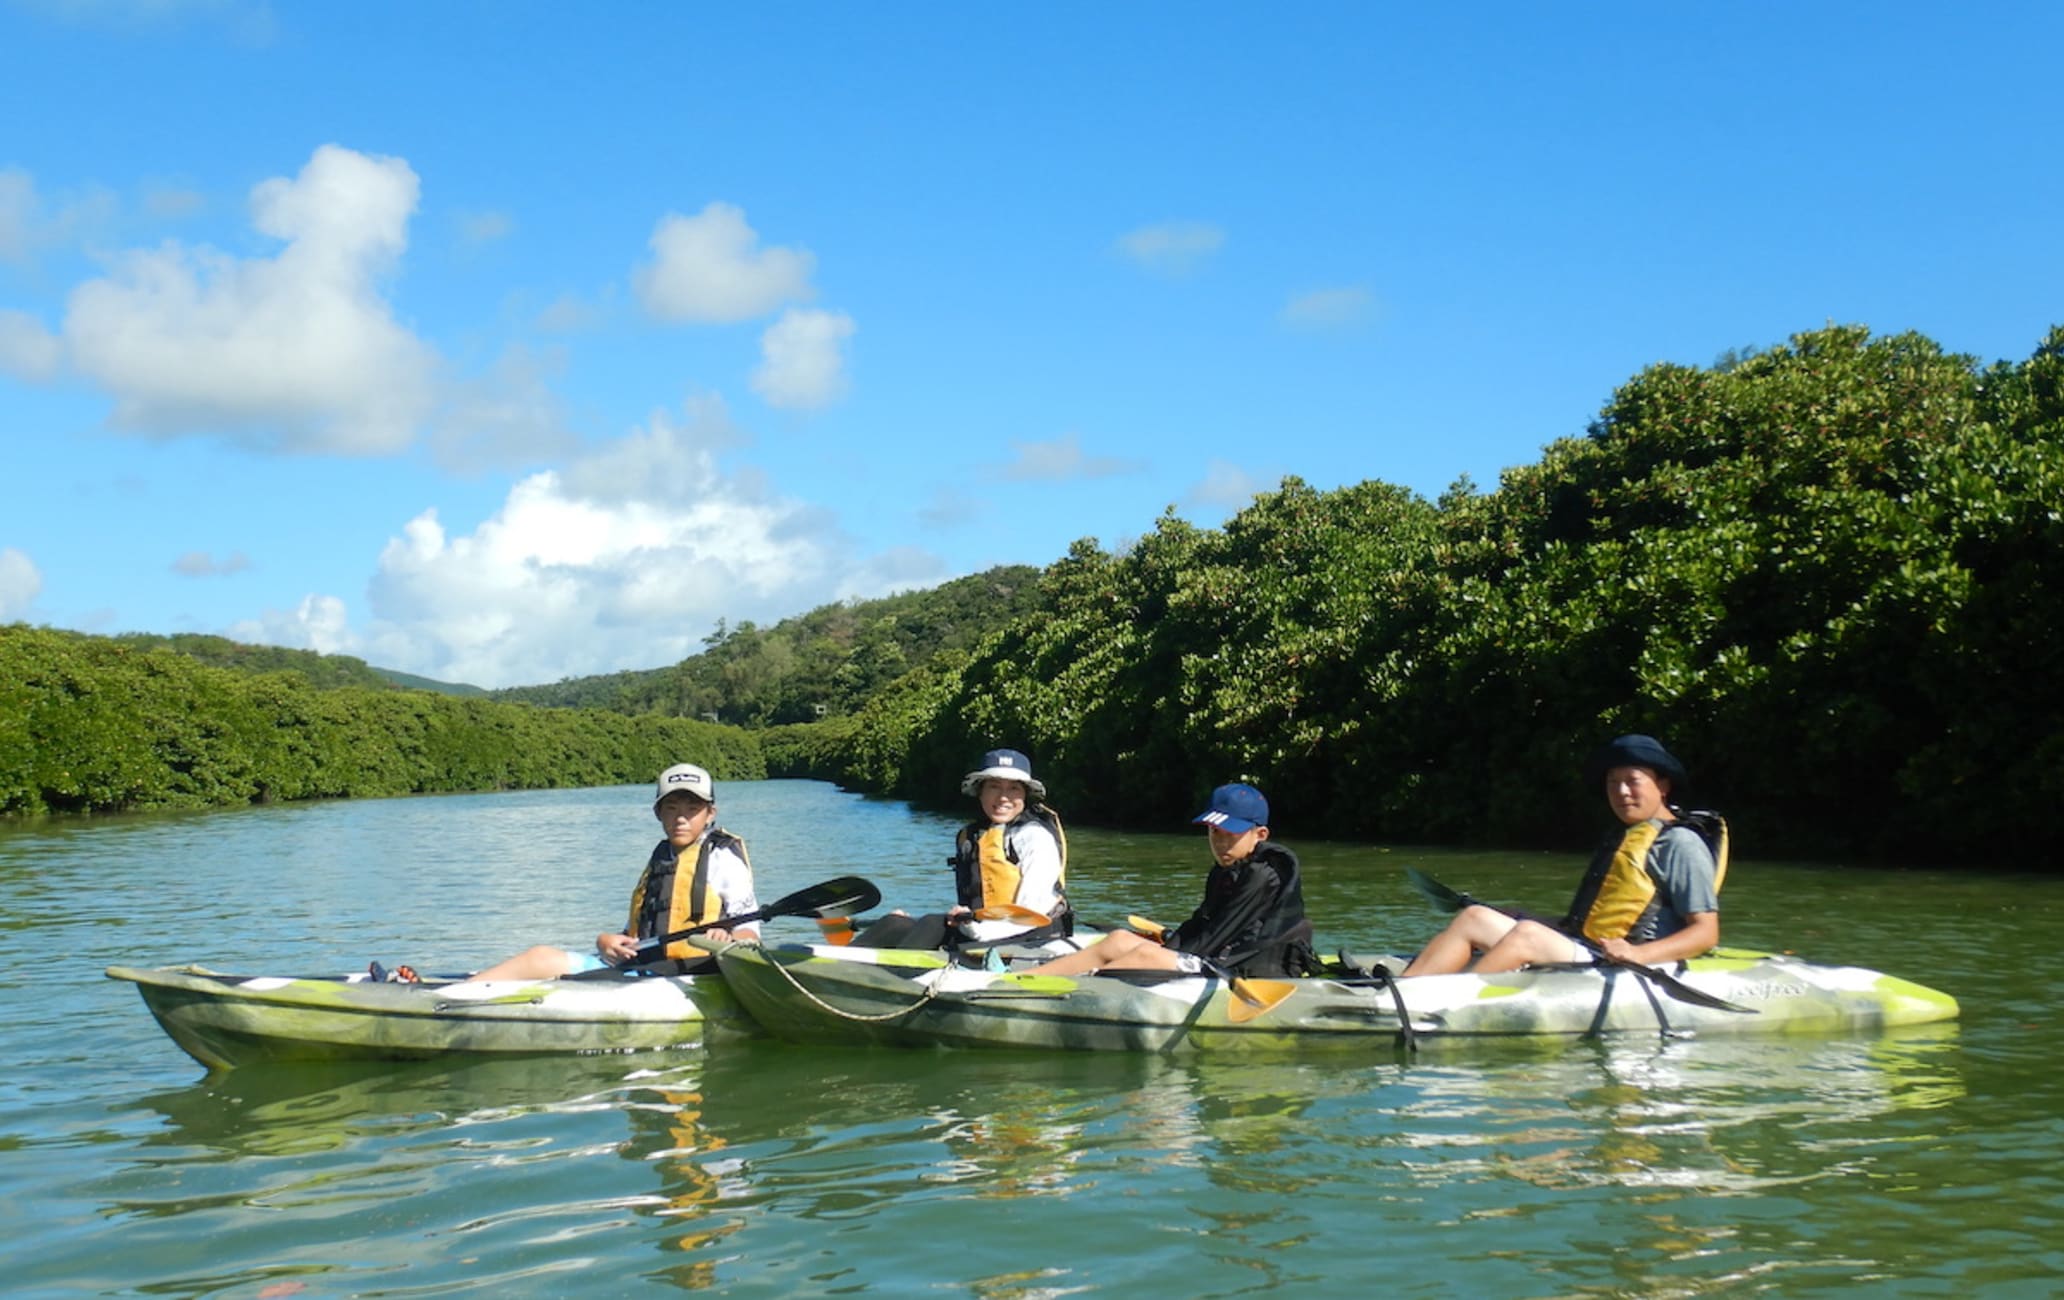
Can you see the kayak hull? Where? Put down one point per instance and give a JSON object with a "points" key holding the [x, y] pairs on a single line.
{"points": [[817, 994], [224, 1021]]}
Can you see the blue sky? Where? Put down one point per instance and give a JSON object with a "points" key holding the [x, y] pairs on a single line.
{"points": [[507, 342]]}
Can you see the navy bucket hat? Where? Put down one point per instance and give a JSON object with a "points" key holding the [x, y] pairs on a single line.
{"points": [[1003, 765], [1635, 751]]}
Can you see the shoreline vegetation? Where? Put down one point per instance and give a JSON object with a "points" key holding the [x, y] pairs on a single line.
{"points": [[1830, 573]]}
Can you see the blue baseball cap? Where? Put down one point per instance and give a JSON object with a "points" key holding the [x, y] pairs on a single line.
{"points": [[1235, 809]]}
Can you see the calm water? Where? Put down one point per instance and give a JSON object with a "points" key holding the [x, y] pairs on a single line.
{"points": [[1924, 1163]]}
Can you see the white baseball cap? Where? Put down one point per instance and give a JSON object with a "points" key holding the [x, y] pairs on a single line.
{"points": [[684, 776]]}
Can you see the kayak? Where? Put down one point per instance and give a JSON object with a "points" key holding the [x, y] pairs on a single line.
{"points": [[230, 1020], [822, 994]]}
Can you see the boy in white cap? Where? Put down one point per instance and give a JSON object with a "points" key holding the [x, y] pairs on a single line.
{"points": [[1251, 921], [698, 874], [1651, 894]]}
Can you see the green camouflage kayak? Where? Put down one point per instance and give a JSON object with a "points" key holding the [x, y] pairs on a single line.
{"points": [[820, 994], [228, 1020]]}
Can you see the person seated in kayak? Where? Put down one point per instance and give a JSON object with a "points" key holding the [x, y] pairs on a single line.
{"points": [[1013, 855], [1651, 893], [1251, 921], [697, 874]]}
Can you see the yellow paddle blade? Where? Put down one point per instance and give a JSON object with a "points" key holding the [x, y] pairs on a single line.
{"points": [[1012, 912], [1253, 998], [1151, 929]]}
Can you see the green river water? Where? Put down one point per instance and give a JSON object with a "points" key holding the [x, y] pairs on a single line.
{"points": [[1922, 1163]]}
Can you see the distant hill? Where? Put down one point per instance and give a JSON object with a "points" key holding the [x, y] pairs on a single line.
{"points": [[411, 682], [325, 671], [821, 664]]}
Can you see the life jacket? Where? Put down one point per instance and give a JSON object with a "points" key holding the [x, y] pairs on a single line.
{"points": [[985, 865], [1247, 928], [1617, 895], [662, 903]]}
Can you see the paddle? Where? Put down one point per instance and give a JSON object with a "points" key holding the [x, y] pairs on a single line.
{"points": [[1256, 997], [842, 896], [1448, 900], [1012, 912]]}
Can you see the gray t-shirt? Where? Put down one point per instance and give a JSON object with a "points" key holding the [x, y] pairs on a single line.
{"points": [[1683, 868]]}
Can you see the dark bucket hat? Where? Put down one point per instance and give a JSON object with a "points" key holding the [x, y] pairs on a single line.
{"points": [[1635, 751]]}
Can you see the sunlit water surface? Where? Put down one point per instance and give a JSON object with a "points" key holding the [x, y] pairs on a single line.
{"points": [[1921, 1163]]}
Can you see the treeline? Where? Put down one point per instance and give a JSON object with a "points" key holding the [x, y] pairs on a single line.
{"points": [[93, 724], [825, 663], [1830, 575]]}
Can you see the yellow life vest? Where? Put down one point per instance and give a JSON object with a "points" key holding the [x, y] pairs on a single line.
{"points": [[985, 866], [662, 904], [1618, 892]]}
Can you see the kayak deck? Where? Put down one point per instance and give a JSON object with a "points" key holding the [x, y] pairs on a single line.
{"points": [[843, 995], [224, 1020]]}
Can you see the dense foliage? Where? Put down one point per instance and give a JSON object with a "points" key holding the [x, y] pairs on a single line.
{"points": [[825, 663], [1828, 574], [89, 724]]}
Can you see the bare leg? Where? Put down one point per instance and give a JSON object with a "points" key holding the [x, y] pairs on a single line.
{"points": [[1120, 948], [1526, 944], [1474, 929], [543, 962]]}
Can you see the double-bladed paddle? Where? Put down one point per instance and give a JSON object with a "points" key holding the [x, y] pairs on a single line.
{"points": [[841, 896], [1449, 900]]}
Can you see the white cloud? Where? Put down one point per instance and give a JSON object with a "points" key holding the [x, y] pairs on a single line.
{"points": [[27, 350], [624, 559], [20, 583], [1327, 308], [1062, 460], [709, 268], [1224, 485], [1172, 247], [318, 623], [802, 359], [298, 352], [200, 564], [510, 417]]}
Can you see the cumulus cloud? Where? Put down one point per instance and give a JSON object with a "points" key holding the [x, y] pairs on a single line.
{"points": [[200, 564], [20, 583], [1224, 485], [709, 268], [508, 417], [802, 359], [1322, 309], [1172, 247], [27, 350], [625, 558], [319, 623], [1061, 460], [299, 352]]}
